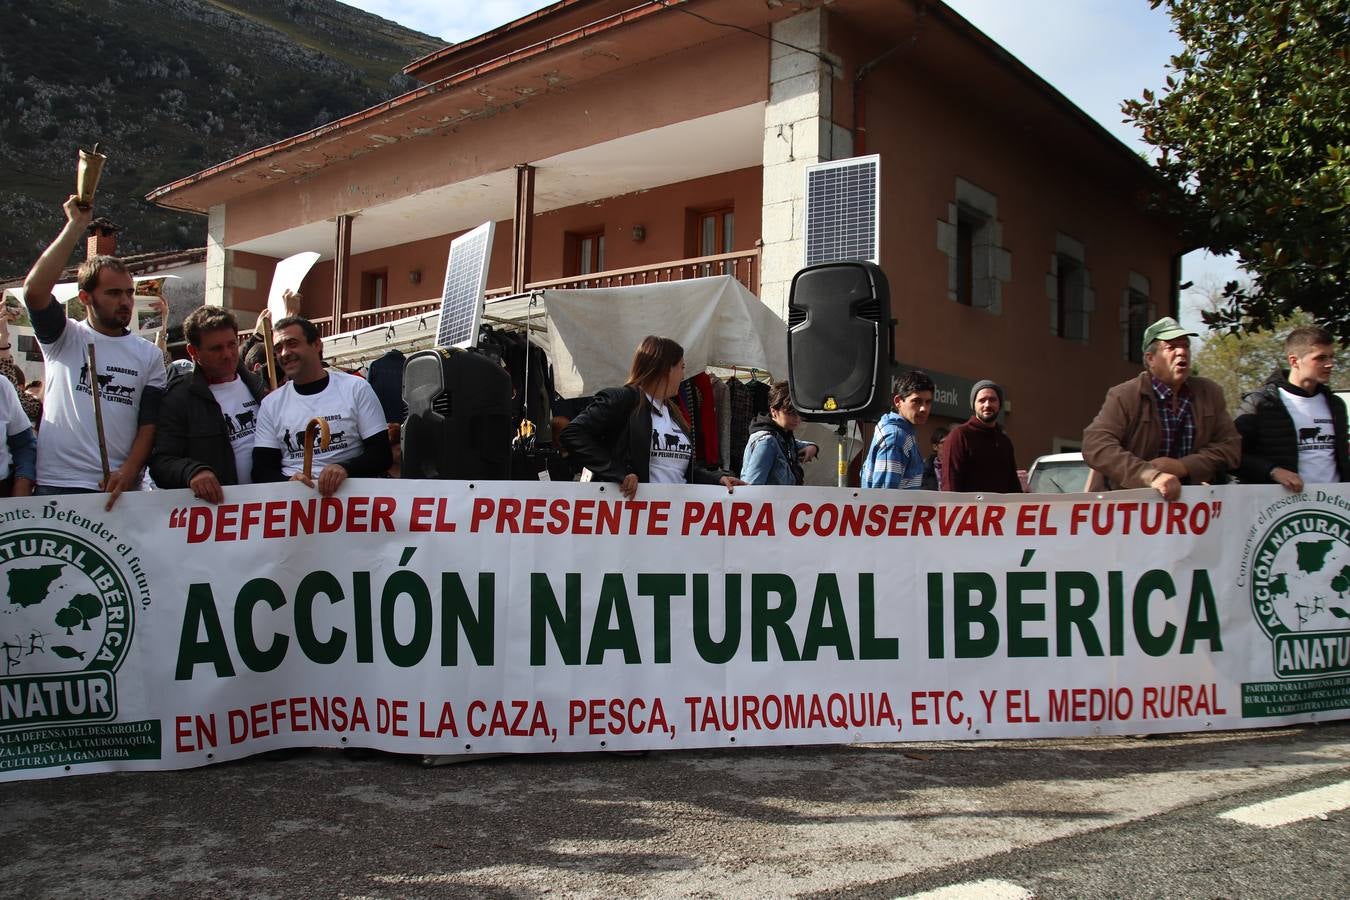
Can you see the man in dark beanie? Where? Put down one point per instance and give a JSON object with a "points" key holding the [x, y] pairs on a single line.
{"points": [[977, 455]]}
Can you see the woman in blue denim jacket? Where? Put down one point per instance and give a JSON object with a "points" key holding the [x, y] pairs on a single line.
{"points": [[773, 455]]}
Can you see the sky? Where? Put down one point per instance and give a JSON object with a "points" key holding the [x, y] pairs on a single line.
{"points": [[1098, 53]]}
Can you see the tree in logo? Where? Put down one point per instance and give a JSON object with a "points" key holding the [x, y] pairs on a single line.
{"points": [[80, 611]]}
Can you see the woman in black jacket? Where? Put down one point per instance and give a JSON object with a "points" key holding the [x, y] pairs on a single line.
{"points": [[634, 435]]}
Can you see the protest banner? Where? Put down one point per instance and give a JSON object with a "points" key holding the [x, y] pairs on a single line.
{"points": [[436, 617]]}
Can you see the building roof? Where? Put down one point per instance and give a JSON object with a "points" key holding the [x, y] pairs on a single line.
{"points": [[481, 91], [571, 41], [137, 264], [533, 28]]}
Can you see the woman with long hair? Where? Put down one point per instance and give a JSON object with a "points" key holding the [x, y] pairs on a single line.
{"points": [[773, 455], [633, 434]]}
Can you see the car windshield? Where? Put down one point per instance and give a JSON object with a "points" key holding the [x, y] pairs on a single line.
{"points": [[1068, 477]]}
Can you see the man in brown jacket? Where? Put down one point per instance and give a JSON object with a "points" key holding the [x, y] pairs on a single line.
{"points": [[1164, 428]]}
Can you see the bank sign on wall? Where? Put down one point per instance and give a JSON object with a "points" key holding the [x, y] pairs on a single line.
{"points": [[448, 617]]}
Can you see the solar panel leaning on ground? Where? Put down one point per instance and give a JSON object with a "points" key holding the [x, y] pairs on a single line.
{"points": [[842, 199], [465, 281]]}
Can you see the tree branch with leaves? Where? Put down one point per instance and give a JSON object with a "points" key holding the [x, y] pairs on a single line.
{"points": [[1252, 132]]}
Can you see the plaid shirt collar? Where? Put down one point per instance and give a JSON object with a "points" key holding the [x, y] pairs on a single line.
{"points": [[1178, 426]]}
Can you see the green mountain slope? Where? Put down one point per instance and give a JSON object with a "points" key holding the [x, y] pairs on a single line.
{"points": [[169, 87]]}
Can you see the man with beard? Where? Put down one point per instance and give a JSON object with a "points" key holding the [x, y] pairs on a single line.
{"points": [[1294, 429], [977, 455], [894, 459], [130, 377], [1165, 427], [359, 436]]}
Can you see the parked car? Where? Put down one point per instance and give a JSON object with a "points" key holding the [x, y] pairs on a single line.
{"points": [[1058, 473]]}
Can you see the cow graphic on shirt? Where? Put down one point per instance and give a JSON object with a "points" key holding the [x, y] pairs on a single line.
{"points": [[111, 388], [671, 446], [240, 425], [1321, 436], [293, 439]]}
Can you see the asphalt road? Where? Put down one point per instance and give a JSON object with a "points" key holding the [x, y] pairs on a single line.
{"points": [[1101, 817]]}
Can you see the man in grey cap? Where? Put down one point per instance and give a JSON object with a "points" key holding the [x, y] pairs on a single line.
{"points": [[977, 455], [1164, 428]]}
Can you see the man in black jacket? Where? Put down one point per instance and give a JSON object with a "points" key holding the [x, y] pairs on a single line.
{"points": [[1294, 429], [208, 416]]}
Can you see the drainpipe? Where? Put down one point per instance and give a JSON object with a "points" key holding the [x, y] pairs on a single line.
{"points": [[859, 103], [1176, 285]]}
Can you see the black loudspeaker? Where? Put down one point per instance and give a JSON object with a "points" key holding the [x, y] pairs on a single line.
{"points": [[459, 416], [840, 341]]}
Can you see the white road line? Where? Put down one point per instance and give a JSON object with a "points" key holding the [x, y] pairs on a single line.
{"points": [[989, 889], [1294, 808]]}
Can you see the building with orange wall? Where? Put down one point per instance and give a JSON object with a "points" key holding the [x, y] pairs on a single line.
{"points": [[614, 141]]}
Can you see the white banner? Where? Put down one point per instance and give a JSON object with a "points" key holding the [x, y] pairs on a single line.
{"points": [[448, 617]]}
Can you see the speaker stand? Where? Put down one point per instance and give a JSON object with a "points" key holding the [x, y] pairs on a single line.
{"points": [[842, 463]]}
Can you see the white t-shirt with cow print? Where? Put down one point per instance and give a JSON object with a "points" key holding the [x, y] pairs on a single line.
{"points": [[1316, 436], [240, 411], [68, 439], [348, 404], [671, 447]]}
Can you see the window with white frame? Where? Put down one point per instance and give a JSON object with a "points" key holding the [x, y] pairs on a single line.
{"points": [[1069, 286], [971, 237], [1136, 312]]}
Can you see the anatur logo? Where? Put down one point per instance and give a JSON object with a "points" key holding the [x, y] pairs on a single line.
{"points": [[66, 620]]}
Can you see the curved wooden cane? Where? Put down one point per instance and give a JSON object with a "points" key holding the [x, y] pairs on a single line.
{"points": [[314, 426]]}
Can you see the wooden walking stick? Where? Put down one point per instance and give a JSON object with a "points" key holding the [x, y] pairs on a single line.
{"points": [[98, 414], [271, 356], [312, 427]]}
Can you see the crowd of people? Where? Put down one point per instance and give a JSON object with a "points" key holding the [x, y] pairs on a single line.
{"points": [[111, 408], [1162, 429]]}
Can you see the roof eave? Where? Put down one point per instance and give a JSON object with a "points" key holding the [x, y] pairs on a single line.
{"points": [[162, 196]]}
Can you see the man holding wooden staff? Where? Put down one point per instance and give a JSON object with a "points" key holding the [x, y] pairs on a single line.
{"points": [[92, 443], [358, 438]]}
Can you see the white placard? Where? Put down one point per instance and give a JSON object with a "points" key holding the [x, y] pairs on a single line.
{"points": [[289, 274]]}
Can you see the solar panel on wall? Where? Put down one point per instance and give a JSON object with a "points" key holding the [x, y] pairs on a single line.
{"points": [[842, 210], [465, 281]]}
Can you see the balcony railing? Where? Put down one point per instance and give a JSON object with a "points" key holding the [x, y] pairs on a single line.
{"points": [[743, 266]]}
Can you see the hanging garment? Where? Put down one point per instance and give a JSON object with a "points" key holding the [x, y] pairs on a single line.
{"points": [[386, 378], [707, 443], [722, 401], [741, 411]]}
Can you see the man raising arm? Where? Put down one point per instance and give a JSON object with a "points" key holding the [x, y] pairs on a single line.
{"points": [[130, 379]]}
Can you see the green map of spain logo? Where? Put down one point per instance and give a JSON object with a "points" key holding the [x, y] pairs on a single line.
{"points": [[66, 620], [1301, 593]]}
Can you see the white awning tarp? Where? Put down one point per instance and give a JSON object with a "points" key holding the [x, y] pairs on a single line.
{"points": [[590, 335], [593, 333]]}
